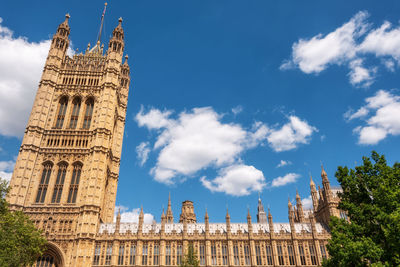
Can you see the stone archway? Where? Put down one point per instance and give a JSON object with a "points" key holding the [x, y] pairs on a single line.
{"points": [[52, 257]]}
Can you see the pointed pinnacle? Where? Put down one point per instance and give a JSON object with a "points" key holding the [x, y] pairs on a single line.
{"points": [[311, 180]]}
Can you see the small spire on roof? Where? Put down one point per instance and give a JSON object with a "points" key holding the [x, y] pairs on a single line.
{"points": [[311, 180], [297, 194]]}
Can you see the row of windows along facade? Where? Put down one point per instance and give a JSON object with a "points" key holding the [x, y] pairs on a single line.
{"points": [[74, 113], [127, 254], [61, 180]]}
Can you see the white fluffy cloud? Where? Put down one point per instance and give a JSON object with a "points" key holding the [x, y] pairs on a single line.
{"points": [[307, 203], [360, 75], [348, 45], [236, 180], [154, 119], [132, 215], [195, 140], [236, 110], [284, 180], [381, 115], [198, 139], [314, 55], [21, 66], [290, 135], [6, 169], [283, 163], [142, 151]]}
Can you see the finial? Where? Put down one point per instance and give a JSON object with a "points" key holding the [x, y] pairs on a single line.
{"points": [[126, 58], [297, 193], [323, 172], [120, 20], [311, 180], [67, 16], [206, 215], [289, 203]]}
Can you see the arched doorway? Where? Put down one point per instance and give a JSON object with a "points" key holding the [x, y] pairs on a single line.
{"points": [[52, 257]]}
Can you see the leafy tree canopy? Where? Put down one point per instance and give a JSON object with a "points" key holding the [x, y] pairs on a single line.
{"points": [[190, 259], [371, 198], [20, 242]]}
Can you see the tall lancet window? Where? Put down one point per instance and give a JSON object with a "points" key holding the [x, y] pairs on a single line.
{"points": [[58, 187], [76, 106], [62, 109], [44, 182], [88, 113], [73, 188]]}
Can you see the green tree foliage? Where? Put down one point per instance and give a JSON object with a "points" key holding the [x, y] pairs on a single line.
{"points": [[371, 198], [20, 242], [190, 259]]}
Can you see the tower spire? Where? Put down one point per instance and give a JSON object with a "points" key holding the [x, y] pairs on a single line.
{"points": [[169, 215], [261, 215]]}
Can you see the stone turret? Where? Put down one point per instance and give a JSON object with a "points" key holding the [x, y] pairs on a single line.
{"points": [[118, 221], [249, 225], [261, 215], [169, 216], [116, 43], [314, 194], [228, 222], [326, 185], [60, 42], [187, 213], [299, 207], [207, 223]]}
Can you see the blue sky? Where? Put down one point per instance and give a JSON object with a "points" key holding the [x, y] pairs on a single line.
{"points": [[222, 92]]}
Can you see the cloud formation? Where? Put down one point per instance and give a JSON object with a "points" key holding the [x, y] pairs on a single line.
{"points": [[290, 135], [6, 169], [197, 140], [142, 151], [21, 66], [132, 215], [283, 163], [381, 117], [236, 180], [307, 203], [284, 180], [348, 45]]}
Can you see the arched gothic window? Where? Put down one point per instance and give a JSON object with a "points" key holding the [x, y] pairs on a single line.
{"points": [[73, 188], [45, 261], [76, 106], [44, 182], [88, 113], [61, 112], [58, 187]]}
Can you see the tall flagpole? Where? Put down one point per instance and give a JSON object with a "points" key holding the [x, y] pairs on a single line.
{"points": [[102, 20]]}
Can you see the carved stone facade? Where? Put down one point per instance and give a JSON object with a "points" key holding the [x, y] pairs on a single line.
{"points": [[66, 176]]}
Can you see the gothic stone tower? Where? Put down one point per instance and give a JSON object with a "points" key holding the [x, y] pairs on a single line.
{"points": [[65, 177]]}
